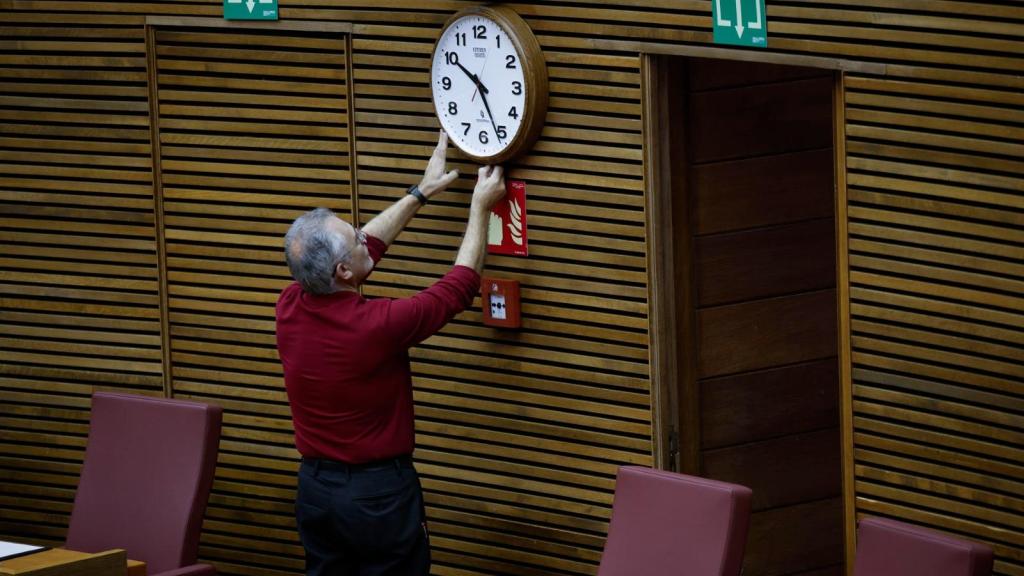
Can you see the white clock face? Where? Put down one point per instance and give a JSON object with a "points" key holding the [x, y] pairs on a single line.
{"points": [[478, 85]]}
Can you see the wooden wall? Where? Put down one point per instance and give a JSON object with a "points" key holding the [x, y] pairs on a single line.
{"points": [[104, 284]]}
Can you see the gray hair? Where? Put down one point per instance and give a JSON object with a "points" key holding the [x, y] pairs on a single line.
{"points": [[313, 250]]}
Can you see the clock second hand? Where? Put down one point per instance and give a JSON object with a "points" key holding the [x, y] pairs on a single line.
{"points": [[482, 68], [474, 78]]}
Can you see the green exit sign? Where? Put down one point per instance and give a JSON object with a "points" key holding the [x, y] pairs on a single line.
{"points": [[250, 9], [741, 22]]}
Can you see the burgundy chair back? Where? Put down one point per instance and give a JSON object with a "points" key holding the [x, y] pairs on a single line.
{"points": [[890, 548], [664, 523], [146, 478]]}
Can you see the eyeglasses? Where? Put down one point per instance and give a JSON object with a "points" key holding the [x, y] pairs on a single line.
{"points": [[360, 238]]}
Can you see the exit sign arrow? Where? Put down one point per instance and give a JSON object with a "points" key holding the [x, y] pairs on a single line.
{"points": [[731, 24], [250, 9]]}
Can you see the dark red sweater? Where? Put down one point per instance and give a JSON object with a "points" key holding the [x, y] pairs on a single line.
{"points": [[346, 363]]}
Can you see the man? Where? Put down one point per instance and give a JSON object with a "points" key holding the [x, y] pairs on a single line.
{"points": [[359, 506]]}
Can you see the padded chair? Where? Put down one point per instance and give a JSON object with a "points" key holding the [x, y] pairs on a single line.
{"points": [[148, 469], [664, 523], [890, 548]]}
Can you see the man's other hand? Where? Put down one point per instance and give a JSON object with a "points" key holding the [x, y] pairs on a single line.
{"points": [[435, 179], [490, 187]]}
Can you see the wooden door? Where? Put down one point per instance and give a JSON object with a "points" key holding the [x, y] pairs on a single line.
{"points": [[754, 226]]}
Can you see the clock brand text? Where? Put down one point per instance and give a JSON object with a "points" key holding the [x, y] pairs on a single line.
{"points": [[480, 52]]}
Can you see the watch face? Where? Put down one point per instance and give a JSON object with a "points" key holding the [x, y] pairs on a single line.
{"points": [[478, 85]]}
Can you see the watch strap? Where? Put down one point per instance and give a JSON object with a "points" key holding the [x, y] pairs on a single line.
{"points": [[415, 191]]}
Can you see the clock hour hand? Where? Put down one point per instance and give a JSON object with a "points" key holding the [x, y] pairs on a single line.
{"points": [[473, 77]]}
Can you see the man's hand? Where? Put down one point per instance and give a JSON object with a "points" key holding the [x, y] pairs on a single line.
{"points": [[490, 187], [435, 180]]}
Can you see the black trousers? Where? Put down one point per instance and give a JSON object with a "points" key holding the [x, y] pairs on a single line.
{"points": [[362, 520]]}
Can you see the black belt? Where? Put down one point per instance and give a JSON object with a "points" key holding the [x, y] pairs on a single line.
{"points": [[404, 461]]}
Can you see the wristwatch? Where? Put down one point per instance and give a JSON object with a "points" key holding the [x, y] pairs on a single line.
{"points": [[415, 191]]}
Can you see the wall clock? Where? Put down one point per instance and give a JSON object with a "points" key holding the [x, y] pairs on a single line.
{"points": [[489, 83]]}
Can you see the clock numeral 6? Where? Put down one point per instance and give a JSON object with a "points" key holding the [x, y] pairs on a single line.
{"points": [[483, 137], [517, 88], [453, 108]]}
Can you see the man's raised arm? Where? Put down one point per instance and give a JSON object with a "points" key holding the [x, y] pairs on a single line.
{"points": [[388, 224]]}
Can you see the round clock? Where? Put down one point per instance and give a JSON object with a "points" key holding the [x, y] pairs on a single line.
{"points": [[490, 83]]}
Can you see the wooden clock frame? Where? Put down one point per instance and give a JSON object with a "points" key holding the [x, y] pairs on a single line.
{"points": [[535, 76]]}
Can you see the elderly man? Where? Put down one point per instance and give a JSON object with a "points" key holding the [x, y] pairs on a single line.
{"points": [[359, 506]]}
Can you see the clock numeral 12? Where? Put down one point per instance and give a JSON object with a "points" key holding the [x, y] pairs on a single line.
{"points": [[480, 32]]}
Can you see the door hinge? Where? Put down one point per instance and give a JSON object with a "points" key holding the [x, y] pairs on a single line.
{"points": [[673, 449]]}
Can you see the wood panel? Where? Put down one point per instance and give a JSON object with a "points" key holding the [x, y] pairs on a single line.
{"points": [[79, 300], [773, 402], [762, 191], [765, 127], [787, 540], [783, 259], [766, 326]]}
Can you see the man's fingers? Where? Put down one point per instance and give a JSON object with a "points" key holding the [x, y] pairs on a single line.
{"points": [[449, 178], [442, 140]]}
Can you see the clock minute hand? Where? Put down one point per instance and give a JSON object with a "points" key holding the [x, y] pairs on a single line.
{"points": [[483, 97]]}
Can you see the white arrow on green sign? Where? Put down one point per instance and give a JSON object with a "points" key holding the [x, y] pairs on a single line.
{"points": [[740, 22], [250, 9]]}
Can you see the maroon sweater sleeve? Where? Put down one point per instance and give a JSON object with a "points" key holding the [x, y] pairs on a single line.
{"points": [[409, 321]]}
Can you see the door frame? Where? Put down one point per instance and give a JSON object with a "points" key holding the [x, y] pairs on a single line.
{"points": [[676, 434]]}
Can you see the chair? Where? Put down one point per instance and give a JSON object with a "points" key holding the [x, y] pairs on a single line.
{"points": [[890, 548], [665, 523], [146, 478]]}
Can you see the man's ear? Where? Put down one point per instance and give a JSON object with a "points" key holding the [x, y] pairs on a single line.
{"points": [[342, 272]]}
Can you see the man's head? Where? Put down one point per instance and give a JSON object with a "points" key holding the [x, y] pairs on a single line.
{"points": [[326, 254]]}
